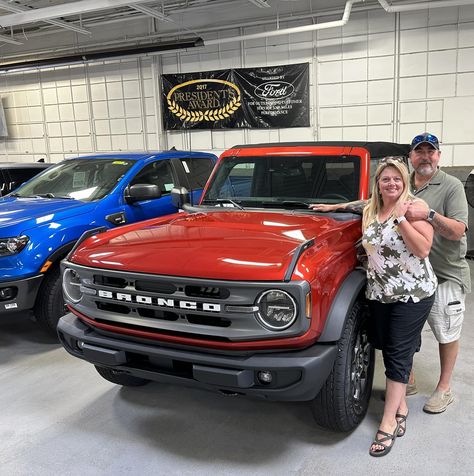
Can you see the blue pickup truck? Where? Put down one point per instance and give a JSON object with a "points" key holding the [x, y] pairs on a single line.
{"points": [[42, 220]]}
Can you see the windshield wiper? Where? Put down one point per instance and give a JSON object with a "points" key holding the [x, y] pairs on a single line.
{"points": [[287, 204], [46, 195], [51, 195], [224, 200]]}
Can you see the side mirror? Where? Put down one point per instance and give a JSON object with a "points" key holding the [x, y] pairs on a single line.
{"points": [[469, 188], [142, 191], [179, 196]]}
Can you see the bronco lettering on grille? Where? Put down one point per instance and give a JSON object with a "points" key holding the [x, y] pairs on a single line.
{"points": [[160, 302]]}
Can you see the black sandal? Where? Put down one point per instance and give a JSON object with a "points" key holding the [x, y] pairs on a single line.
{"points": [[402, 420], [380, 442]]}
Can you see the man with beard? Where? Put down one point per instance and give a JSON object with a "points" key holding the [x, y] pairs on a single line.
{"points": [[448, 213]]}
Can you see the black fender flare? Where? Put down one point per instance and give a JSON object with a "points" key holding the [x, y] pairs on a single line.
{"points": [[342, 304], [61, 252]]}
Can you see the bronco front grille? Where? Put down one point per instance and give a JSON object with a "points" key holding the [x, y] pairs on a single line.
{"points": [[203, 308]]}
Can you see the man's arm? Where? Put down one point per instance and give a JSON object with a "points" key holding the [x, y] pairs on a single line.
{"points": [[448, 228], [356, 206]]}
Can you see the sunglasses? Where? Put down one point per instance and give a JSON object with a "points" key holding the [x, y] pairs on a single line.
{"points": [[394, 158], [429, 138]]}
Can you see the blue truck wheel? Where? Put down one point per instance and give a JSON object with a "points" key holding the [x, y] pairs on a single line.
{"points": [[49, 305]]}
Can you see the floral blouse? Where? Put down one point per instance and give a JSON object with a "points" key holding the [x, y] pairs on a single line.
{"points": [[393, 273]]}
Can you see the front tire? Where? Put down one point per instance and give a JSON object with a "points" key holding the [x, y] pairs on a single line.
{"points": [[343, 401], [50, 307], [120, 378]]}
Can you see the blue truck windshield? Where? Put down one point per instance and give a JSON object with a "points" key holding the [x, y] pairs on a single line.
{"points": [[85, 180]]}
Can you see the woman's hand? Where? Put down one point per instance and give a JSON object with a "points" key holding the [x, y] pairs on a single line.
{"points": [[401, 209]]}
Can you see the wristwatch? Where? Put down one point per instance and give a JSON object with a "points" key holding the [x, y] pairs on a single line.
{"points": [[431, 215], [398, 220]]}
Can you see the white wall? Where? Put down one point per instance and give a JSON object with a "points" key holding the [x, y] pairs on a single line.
{"points": [[382, 77]]}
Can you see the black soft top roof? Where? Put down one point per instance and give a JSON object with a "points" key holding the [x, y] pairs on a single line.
{"points": [[375, 149]]}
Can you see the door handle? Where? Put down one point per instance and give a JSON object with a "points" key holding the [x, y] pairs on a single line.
{"points": [[116, 218]]}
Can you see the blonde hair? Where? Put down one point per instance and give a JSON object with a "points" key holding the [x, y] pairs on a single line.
{"points": [[375, 203]]}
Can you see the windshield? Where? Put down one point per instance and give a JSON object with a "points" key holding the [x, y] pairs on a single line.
{"points": [[289, 181], [80, 179]]}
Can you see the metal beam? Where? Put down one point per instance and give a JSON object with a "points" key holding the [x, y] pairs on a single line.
{"points": [[9, 39], [69, 26], [56, 11], [260, 3], [151, 12]]}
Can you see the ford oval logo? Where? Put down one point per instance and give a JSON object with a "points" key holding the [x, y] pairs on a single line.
{"points": [[274, 90]]}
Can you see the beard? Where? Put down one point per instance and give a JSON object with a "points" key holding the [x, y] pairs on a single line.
{"points": [[425, 170]]}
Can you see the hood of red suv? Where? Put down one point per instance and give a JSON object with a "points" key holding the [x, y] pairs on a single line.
{"points": [[234, 245]]}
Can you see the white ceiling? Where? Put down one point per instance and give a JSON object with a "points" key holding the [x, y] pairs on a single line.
{"points": [[35, 26], [19, 18]]}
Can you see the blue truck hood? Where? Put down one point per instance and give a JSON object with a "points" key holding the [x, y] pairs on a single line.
{"points": [[20, 214]]}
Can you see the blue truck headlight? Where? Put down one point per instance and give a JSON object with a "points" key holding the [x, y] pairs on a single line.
{"points": [[72, 285], [277, 310], [12, 246]]}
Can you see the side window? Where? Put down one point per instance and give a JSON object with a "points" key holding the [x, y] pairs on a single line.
{"points": [[157, 173], [197, 171], [19, 176]]}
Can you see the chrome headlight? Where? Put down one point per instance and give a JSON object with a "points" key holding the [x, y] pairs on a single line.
{"points": [[277, 310], [72, 285], [12, 246]]}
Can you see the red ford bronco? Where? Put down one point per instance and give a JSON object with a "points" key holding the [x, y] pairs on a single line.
{"points": [[249, 292]]}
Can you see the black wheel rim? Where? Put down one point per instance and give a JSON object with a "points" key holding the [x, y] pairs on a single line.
{"points": [[360, 370]]}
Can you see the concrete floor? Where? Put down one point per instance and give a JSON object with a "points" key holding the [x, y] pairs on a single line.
{"points": [[59, 417]]}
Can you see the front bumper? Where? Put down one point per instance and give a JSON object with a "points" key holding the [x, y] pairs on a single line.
{"points": [[297, 376], [24, 292]]}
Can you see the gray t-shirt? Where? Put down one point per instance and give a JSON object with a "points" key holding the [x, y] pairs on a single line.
{"points": [[445, 194]]}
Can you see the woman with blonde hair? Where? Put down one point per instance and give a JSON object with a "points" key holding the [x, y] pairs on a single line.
{"points": [[400, 289]]}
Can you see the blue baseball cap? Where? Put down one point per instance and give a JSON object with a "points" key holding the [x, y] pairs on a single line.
{"points": [[425, 138]]}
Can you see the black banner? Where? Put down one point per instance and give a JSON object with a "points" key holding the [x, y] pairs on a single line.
{"points": [[271, 97]]}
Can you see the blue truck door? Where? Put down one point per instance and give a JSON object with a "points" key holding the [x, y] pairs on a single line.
{"points": [[157, 173]]}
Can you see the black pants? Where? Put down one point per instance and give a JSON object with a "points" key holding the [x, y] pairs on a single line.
{"points": [[395, 328]]}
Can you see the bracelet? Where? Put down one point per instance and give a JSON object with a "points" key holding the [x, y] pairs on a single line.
{"points": [[398, 220]]}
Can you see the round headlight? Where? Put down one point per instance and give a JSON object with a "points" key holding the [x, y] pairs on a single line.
{"points": [[276, 309], [72, 285]]}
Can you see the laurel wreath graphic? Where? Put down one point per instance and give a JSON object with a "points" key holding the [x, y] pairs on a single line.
{"points": [[211, 115], [208, 115]]}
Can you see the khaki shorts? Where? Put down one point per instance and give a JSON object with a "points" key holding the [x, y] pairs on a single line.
{"points": [[447, 313]]}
